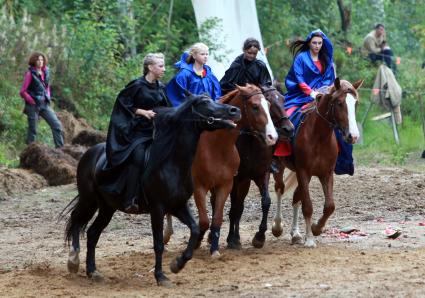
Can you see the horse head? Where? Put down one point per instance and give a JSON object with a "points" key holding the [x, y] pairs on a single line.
{"points": [[256, 118], [284, 126], [210, 115], [341, 111]]}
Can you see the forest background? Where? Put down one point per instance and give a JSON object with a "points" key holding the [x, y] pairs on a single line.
{"points": [[96, 47]]}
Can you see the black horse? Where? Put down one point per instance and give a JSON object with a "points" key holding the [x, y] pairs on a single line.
{"points": [[167, 182], [256, 158]]}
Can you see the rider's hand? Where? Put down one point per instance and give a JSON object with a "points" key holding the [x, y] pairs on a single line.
{"points": [[146, 113]]}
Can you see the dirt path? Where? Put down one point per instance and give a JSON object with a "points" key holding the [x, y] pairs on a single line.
{"points": [[33, 256]]}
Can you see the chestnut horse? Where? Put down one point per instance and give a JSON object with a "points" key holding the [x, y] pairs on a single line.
{"points": [[315, 153], [217, 160], [167, 183], [255, 163]]}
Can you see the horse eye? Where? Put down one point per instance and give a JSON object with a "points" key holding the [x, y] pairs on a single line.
{"points": [[255, 108]]}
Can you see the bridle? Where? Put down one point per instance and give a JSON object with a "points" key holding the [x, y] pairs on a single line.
{"points": [[250, 130], [330, 112]]}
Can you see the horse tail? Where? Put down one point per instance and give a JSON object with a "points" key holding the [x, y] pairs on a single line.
{"points": [[291, 183], [85, 204], [82, 210]]}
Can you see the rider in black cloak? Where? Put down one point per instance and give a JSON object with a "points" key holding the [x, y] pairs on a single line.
{"points": [[246, 69], [130, 132]]}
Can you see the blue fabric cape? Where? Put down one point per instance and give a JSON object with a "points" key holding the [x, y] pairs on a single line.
{"points": [[187, 79], [304, 70]]}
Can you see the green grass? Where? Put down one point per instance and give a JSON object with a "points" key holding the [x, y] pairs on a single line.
{"points": [[379, 146]]}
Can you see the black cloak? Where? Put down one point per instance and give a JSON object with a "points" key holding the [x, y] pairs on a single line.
{"points": [[127, 130], [243, 72]]}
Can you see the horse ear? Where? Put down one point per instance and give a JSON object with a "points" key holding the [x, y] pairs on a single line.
{"points": [[337, 84], [319, 97], [358, 84], [238, 87]]}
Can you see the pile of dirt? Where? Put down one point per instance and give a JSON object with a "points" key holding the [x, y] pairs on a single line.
{"points": [[16, 181], [76, 151], [89, 138], [71, 125], [55, 165]]}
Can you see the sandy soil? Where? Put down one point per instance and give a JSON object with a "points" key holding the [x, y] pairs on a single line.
{"points": [[366, 263]]}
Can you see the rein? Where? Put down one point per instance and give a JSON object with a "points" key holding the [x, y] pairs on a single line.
{"points": [[330, 111]]}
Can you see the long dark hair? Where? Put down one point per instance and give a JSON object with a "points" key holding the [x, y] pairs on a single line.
{"points": [[299, 46]]}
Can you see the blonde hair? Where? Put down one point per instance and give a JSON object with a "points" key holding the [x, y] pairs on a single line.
{"points": [[195, 49], [151, 59]]}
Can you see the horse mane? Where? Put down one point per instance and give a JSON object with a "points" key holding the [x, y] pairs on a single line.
{"points": [[167, 124], [229, 96]]}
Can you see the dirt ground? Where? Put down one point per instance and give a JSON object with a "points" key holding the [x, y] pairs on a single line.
{"points": [[33, 256]]}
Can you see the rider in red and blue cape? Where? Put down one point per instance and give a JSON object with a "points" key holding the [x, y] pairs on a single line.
{"points": [[307, 75]]}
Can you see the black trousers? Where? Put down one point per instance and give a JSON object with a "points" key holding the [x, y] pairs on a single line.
{"points": [[386, 56]]}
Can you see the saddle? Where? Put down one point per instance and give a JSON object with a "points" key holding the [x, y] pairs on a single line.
{"points": [[112, 181]]}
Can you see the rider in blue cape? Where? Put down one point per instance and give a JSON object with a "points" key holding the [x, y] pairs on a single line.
{"points": [[312, 72], [308, 74], [193, 76]]}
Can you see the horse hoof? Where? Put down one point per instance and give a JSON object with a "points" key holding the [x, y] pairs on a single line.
{"points": [[166, 283], [95, 276], [310, 243], [277, 229], [316, 230], [174, 266], [257, 243], [234, 245], [215, 255], [297, 239], [73, 262]]}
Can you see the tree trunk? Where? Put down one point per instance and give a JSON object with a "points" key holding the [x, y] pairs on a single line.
{"points": [[345, 13]]}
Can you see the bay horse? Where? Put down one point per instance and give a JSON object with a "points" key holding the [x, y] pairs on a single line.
{"points": [[256, 158], [217, 160], [167, 182], [315, 153]]}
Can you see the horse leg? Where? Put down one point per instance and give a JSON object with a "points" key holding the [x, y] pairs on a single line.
{"points": [[239, 191], [296, 237], [220, 196], [186, 217], [327, 185], [204, 223], [93, 233], [157, 224], [302, 194], [74, 253], [168, 231], [83, 211], [263, 185], [277, 227]]}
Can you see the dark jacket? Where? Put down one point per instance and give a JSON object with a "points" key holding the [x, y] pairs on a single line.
{"points": [[243, 72], [38, 88]]}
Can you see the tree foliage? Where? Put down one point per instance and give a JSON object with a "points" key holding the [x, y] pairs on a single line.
{"points": [[96, 46]]}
